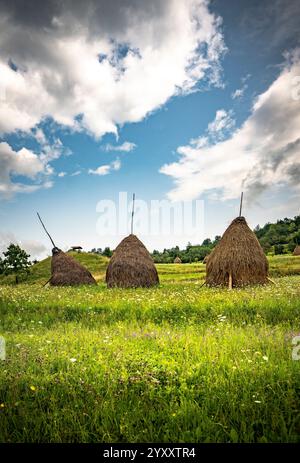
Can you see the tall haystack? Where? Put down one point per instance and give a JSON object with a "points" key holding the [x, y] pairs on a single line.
{"points": [[131, 265], [296, 251], [66, 271], [238, 259], [177, 260]]}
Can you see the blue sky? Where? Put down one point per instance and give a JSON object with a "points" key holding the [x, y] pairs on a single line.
{"points": [[201, 114]]}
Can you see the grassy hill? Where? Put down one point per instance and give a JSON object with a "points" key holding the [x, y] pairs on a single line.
{"points": [[41, 272]]}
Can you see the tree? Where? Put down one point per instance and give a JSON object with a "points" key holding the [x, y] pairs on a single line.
{"points": [[107, 252], [217, 239], [2, 266], [16, 261], [279, 249]]}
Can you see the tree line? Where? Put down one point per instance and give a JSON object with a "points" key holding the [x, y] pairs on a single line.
{"points": [[275, 238]]}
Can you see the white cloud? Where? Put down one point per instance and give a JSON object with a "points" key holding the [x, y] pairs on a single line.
{"points": [[74, 174], [61, 174], [127, 146], [101, 170], [23, 163], [34, 248], [264, 152], [107, 168], [116, 165], [217, 130], [116, 66], [239, 92], [221, 125]]}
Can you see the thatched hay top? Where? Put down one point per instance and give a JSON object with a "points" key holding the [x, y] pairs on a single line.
{"points": [[177, 260], [66, 271], [238, 254], [296, 251], [131, 265]]}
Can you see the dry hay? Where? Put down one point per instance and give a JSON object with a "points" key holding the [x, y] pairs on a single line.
{"points": [[206, 258], [66, 271], [131, 266], [296, 251], [238, 259]]}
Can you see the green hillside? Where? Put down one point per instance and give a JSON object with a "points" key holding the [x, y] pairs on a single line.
{"points": [[41, 272]]}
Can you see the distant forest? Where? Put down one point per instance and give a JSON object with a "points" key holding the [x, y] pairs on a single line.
{"points": [[276, 238]]}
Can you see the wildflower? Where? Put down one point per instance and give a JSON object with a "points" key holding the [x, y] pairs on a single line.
{"points": [[73, 360], [2, 405], [33, 388], [257, 401], [265, 358]]}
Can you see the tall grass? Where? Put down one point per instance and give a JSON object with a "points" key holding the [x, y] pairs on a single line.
{"points": [[176, 363]]}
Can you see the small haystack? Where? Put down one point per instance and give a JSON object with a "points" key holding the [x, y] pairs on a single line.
{"points": [[131, 265], [296, 251], [66, 271], [177, 260], [238, 259]]}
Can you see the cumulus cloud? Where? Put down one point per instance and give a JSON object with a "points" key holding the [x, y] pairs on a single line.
{"points": [[33, 167], [127, 146], [26, 164], [107, 168], [264, 152], [95, 65], [34, 248]]}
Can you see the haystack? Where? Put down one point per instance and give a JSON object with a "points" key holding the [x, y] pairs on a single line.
{"points": [[296, 251], [131, 265], [238, 259], [177, 260], [66, 271]]}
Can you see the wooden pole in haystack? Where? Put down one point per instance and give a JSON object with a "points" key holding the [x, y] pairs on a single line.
{"points": [[230, 281], [132, 214], [241, 204], [46, 229]]}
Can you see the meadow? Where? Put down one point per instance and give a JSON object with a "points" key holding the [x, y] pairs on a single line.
{"points": [[176, 363]]}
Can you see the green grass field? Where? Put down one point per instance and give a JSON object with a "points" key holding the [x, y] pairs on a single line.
{"points": [[177, 363]]}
